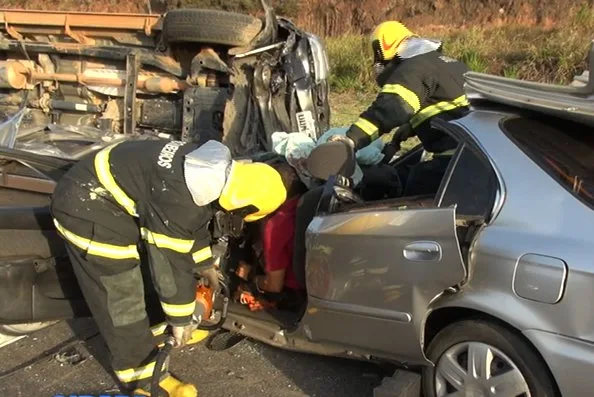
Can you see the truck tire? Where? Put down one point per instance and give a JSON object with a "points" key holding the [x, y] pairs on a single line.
{"points": [[210, 26]]}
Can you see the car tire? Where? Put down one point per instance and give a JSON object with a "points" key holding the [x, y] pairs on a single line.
{"points": [[479, 334], [210, 26], [24, 329]]}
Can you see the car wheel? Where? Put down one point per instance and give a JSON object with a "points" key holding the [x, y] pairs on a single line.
{"points": [[210, 26], [481, 358], [24, 329]]}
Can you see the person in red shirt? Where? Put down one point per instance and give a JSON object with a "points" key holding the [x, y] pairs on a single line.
{"points": [[273, 246]]}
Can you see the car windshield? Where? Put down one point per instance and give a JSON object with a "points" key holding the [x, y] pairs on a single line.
{"points": [[563, 149]]}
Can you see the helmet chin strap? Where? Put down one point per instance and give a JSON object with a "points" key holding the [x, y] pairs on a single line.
{"points": [[378, 68]]}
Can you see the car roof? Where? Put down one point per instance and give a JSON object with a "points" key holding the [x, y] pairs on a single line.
{"points": [[572, 102]]}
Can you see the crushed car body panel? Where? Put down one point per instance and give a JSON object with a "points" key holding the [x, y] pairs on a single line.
{"points": [[125, 76], [384, 265]]}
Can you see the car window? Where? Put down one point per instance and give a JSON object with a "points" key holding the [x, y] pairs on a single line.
{"points": [[563, 149], [472, 185]]}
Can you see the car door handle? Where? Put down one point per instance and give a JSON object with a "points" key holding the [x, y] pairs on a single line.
{"points": [[428, 251]]}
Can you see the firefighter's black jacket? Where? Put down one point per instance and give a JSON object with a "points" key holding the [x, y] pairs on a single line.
{"points": [[413, 90], [145, 180]]}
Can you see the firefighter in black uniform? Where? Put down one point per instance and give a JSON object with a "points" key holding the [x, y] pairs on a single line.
{"points": [[141, 205], [417, 83]]}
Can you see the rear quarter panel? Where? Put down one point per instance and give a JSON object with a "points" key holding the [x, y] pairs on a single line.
{"points": [[536, 216]]}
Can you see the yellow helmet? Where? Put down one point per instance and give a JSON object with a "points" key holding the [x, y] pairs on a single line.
{"points": [[386, 38], [255, 185]]}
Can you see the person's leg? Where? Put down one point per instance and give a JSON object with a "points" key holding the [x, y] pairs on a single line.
{"points": [[125, 330], [306, 210], [107, 266]]}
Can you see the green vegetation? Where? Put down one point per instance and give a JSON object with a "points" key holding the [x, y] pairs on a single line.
{"points": [[552, 55]]}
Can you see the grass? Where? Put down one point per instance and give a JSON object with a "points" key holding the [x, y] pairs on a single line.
{"points": [[345, 107], [552, 55]]}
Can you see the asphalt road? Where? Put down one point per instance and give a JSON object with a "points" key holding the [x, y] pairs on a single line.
{"points": [[38, 366]]}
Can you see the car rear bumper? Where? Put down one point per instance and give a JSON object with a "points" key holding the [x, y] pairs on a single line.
{"points": [[571, 361]]}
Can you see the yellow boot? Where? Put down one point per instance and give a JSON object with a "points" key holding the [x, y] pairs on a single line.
{"points": [[198, 335], [173, 387]]}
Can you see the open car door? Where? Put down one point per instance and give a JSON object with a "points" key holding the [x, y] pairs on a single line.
{"points": [[374, 269], [372, 272]]}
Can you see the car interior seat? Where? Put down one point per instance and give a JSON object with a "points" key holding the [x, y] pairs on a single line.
{"points": [[425, 177], [331, 158]]}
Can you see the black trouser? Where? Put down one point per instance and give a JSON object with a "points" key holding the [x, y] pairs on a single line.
{"points": [[103, 250]]}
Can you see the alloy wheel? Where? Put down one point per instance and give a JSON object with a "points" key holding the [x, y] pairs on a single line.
{"points": [[480, 370]]}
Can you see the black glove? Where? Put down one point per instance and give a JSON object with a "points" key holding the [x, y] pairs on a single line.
{"points": [[404, 132]]}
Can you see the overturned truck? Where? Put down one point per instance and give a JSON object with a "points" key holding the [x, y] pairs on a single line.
{"points": [[75, 81]]}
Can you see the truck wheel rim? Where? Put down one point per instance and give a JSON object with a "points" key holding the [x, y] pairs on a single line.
{"points": [[480, 369]]}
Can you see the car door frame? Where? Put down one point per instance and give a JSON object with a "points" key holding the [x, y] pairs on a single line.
{"points": [[397, 334]]}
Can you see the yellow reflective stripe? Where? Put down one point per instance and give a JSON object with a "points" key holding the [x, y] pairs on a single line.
{"points": [[159, 329], [163, 241], [98, 249], [437, 108], [103, 170], [202, 255], [134, 374], [183, 310], [367, 126], [409, 97]]}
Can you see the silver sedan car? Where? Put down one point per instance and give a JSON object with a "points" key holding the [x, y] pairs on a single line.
{"points": [[484, 277]]}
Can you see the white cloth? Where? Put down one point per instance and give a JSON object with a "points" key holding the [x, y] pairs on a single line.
{"points": [[415, 46], [206, 170], [296, 147]]}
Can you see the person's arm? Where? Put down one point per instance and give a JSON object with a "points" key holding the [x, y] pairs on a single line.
{"points": [[401, 98], [273, 281], [178, 243]]}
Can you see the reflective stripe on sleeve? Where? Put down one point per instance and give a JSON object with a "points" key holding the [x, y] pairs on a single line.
{"points": [[367, 127], [103, 170], [202, 255], [98, 249], [159, 329], [407, 95], [135, 374], [162, 241], [435, 109], [183, 310]]}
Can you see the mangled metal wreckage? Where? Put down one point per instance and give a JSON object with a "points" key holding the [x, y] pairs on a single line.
{"points": [[71, 83]]}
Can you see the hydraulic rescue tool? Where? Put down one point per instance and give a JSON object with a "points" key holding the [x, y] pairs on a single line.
{"points": [[205, 301]]}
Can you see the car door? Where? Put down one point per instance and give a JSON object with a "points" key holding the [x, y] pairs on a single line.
{"points": [[372, 272]]}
